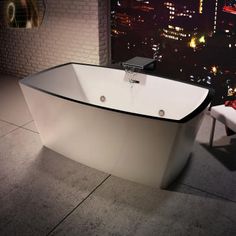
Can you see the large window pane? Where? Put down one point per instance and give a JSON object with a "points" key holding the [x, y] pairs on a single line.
{"points": [[193, 41]]}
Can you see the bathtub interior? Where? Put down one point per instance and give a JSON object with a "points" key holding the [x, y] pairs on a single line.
{"points": [[116, 89]]}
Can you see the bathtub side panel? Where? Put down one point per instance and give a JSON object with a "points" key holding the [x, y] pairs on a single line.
{"points": [[130, 147], [147, 150], [182, 149], [74, 130]]}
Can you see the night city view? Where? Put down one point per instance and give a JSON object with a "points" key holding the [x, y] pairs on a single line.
{"points": [[192, 41]]}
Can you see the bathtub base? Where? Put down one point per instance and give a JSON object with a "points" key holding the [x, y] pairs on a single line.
{"points": [[148, 151]]}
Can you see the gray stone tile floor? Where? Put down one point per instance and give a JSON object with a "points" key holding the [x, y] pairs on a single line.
{"points": [[44, 193]]}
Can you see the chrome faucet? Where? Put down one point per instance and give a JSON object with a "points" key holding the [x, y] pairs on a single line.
{"points": [[131, 72], [137, 64]]}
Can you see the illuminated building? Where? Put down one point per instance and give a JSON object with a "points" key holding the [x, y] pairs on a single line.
{"points": [[175, 32], [186, 19], [183, 20], [123, 19], [215, 15], [200, 6], [179, 9]]}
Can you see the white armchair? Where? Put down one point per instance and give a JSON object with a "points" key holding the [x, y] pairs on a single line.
{"points": [[226, 115]]}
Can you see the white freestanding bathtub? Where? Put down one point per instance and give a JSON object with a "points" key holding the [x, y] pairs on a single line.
{"points": [[142, 130]]}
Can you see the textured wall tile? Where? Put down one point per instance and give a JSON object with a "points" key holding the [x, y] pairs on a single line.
{"points": [[72, 31]]}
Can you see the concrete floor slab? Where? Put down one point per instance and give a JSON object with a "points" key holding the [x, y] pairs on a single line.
{"points": [[120, 207], [16, 230], [37, 185], [207, 173]]}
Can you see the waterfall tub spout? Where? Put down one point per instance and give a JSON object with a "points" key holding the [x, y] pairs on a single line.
{"points": [[142, 132]]}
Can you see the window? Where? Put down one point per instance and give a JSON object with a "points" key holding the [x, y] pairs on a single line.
{"points": [[194, 41]]}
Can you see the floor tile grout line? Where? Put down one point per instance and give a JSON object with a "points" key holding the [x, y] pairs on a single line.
{"points": [[22, 127], [215, 195], [19, 126], [10, 123], [1, 137], [30, 130], [28, 122], [78, 205]]}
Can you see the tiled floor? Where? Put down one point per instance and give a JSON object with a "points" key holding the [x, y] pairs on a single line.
{"points": [[44, 193]]}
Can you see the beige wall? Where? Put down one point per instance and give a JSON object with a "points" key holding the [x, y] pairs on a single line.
{"points": [[72, 30]]}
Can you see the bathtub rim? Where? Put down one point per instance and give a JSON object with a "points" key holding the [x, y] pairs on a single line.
{"points": [[185, 119]]}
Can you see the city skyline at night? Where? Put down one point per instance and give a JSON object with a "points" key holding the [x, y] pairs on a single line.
{"points": [[193, 41]]}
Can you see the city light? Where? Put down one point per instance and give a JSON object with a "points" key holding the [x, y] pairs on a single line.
{"points": [[193, 43], [202, 39], [201, 6], [191, 40], [214, 69]]}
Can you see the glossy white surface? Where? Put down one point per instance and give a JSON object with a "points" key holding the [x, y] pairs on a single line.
{"points": [[144, 150], [88, 83]]}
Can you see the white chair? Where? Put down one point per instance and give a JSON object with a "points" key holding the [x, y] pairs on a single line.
{"points": [[226, 115]]}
